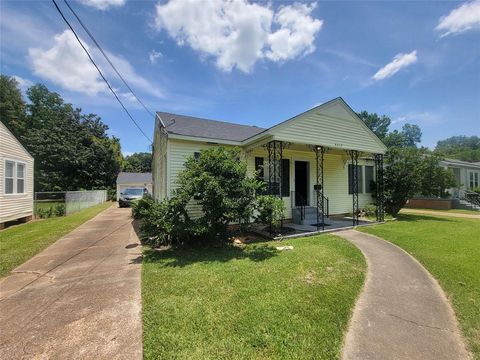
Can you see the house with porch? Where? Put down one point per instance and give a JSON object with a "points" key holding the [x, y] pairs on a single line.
{"points": [[324, 162]]}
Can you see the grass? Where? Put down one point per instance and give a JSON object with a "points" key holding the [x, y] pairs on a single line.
{"points": [[450, 249], [19, 243], [454, 211], [251, 303]]}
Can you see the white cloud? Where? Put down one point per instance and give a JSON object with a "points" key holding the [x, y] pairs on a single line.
{"points": [[103, 4], [23, 83], [461, 19], [399, 62], [420, 117], [154, 55], [67, 65], [238, 33]]}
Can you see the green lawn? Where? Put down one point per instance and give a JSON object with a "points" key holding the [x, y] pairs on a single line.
{"points": [[252, 303], [19, 243], [450, 249]]}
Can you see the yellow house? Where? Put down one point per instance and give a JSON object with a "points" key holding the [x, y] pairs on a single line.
{"points": [[322, 162], [16, 179]]}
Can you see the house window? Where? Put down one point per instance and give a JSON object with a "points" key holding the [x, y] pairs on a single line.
{"points": [[369, 182], [259, 168], [14, 177], [285, 177], [196, 155], [9, 178], [350, 178], [20, 178]]}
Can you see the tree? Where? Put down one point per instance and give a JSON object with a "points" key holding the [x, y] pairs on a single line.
{"points": [[466, 148], [138, 162], [378, 124], [72, 150], [12, 106], [434, 178], [409, 136], [410, 171]]}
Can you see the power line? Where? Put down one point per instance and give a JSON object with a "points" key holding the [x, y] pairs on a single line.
{"points": [[99, 71], [106, 57]]}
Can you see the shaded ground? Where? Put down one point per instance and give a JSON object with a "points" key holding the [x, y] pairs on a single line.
{"points": [[449, 248], [79, 298], [402, 313], [253, 302]]}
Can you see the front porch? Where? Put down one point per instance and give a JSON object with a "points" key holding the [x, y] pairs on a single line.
{"points": [[323, 188]]}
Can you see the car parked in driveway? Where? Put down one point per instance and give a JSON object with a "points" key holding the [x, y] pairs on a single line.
{"points": [[131, 195]]}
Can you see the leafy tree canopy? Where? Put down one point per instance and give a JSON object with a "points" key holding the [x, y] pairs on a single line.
{"points": [[409, 136], [466, 148], [72, 150], [138, 162]]}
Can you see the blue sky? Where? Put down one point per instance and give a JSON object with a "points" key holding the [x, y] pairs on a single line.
{"points": [[256, 63]]}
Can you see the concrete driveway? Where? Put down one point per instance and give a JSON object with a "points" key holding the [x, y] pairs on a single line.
{"points": [[78, 299]]}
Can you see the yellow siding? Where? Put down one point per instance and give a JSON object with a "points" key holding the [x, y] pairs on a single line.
{"points": [[332, 126], [14, 206], [159, 163], [335, 178], [179, 151]]}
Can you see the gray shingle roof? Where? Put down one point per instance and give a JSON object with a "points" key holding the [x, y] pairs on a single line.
{"points": [[212, 129], [127, 178]]}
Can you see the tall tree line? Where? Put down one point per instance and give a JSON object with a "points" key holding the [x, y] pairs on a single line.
{"points": [[72, 150]]}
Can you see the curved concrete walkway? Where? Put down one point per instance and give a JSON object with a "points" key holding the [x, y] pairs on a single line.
{"points": [[78, 299], [402, 312]]}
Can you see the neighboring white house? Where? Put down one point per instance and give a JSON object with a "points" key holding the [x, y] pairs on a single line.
{"points": [[126, 180], [288, 156], [467, 174], [16, 179]]}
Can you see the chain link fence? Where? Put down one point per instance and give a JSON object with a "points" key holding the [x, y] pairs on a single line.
{"points": [[61, 203]]}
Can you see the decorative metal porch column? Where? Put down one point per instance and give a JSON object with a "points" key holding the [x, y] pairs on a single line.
{"points": [[319, 156], [275, 156], [380, 196], [354, 158]]}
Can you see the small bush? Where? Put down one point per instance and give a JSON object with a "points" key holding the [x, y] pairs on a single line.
{"points": [[270, 210], [58, 210], [370, 210], [477, 190], [141, 208]]}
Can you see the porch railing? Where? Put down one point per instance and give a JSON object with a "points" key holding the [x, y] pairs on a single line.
{"points": [[303, 203]]}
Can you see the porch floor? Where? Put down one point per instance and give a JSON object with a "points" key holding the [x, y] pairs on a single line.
{"points": [[331, 225]]}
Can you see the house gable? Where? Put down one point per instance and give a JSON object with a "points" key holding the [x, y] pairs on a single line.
{"points": [[333, 124]]}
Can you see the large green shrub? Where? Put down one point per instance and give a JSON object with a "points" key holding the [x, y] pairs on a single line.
{"points": [[270, 210], [217, 181]]}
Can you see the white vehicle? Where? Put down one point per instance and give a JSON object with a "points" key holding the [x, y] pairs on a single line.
{"points": [[130, 195]]}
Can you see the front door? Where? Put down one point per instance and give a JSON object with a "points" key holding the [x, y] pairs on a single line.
{"points": [[301, 183]]}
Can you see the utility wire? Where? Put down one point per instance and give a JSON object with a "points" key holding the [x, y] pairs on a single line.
{"points": [[99, 71], [106, 57]]}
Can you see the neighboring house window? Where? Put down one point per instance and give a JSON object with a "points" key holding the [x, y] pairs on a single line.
{"points": [[350, 179], [259, 168], [369, 182], [285, 177], [14, 177], [474, 180], [196, 155]]}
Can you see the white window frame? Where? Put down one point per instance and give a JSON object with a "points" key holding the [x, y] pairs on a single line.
{"points": [[15, 177]]}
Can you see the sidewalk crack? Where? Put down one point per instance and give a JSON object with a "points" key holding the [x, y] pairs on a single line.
{"points": [[419, 324]]}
